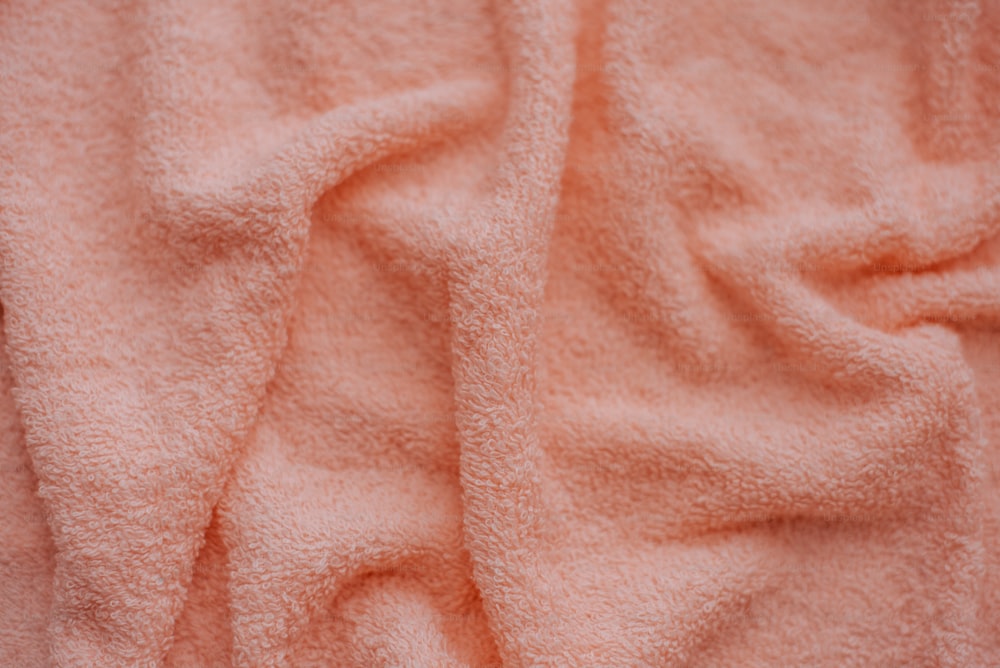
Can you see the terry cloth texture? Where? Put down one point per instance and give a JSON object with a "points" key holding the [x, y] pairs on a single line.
{"points": [[468, 333]]}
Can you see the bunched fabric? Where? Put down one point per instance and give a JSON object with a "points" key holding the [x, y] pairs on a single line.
{"points": [[467, 333]]}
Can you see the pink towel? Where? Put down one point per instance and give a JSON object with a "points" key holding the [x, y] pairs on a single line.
{"points": [[455, 333]]}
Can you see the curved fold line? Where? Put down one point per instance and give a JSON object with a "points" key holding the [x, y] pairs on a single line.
{"points": [[324, 153], [630, 443]]}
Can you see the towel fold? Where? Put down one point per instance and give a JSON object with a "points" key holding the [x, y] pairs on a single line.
{"points": [[440, 333]]}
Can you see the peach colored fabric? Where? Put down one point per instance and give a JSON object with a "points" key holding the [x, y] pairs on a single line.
{"points": [[460, 333]]}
